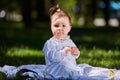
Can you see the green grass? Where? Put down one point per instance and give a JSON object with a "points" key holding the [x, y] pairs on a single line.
{"points": [[100, 57], [95, 57], [99, 46], [21, 56], [2, 76], [23, 52]]}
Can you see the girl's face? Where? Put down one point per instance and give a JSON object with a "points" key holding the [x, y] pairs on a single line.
{"points": [[60, 27]]}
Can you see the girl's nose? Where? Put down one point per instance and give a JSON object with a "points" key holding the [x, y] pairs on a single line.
{"points": [[60, 27]]}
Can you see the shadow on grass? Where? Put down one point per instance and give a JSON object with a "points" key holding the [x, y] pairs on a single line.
{"points": [[104, 38], [17, 61]]}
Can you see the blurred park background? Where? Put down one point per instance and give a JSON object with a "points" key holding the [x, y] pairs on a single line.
{"points": [[25, 26]]}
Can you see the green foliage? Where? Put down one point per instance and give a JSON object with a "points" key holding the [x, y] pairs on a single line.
{"points": [[67, 5]]}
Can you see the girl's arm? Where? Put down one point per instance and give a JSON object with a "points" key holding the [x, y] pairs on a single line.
{"points": [[52, 53]]}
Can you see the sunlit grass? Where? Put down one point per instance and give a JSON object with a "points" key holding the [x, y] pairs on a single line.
{"points": [[23, 51], [17, 56], [95, 57], [100, 57]]}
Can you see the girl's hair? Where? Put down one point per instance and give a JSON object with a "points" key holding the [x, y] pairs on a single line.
{"points": [[55, 10]]}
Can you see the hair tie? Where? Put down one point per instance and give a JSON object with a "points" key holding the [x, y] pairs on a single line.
{"points": [[58, 8]]}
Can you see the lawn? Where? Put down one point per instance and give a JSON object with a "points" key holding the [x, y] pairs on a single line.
{"points": [[99, 46], [95, 57]]}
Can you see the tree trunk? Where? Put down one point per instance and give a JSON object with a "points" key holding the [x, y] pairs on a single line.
{"points": [[106, 11], [94, 10], [40, 7], [26, 12]]}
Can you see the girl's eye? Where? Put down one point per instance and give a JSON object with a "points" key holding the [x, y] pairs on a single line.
{"points": [[56, 25], [63, 25]]}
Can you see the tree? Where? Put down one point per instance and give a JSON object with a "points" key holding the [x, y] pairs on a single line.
{"points": [[106, 11], [40, 7], [26, 10], [93, 9]]}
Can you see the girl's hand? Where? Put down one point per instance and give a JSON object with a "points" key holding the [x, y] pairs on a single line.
{"points": [[74, 51], [67, 49]]}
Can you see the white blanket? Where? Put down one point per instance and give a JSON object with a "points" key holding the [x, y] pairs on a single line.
{"points": [[34, 72]]}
